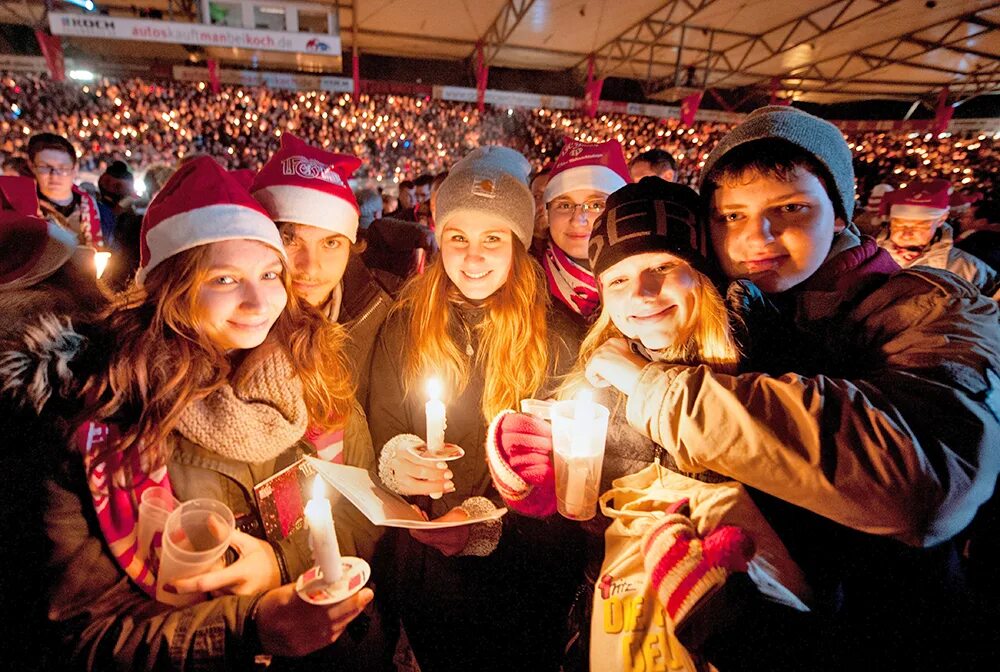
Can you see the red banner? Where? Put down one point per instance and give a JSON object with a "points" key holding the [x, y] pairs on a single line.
{"points": [[213, 75], [482, 75], [356, 73], [592, 90], [775, 85], [944, 112], [51, 46], [689, 108]]}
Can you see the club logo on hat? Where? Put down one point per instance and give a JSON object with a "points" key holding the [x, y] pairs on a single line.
{"points": [[575, 149], [311, 169], [484, 186]]}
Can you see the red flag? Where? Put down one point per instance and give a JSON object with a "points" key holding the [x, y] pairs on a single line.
{"points": [[775, 85], [213, 75], [482, 75], [592, 90], [356, 73], [689, 108], [944, 112], [51, 46]]}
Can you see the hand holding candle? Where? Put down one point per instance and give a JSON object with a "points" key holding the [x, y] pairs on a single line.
{"points": [[322, 536]]}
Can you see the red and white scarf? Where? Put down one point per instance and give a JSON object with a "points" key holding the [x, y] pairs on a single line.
{"points": [[90, 220], [570, 282], [117, 504]]}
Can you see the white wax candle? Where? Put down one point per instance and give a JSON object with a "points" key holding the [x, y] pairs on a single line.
{"points": [[322, 536], [436, 421], [101, 260], [577, 472], [577, 465]]}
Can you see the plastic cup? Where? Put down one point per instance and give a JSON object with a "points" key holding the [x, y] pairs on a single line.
{"points": [[155, 506], [195, 537], [579, 431], [537, 407]]}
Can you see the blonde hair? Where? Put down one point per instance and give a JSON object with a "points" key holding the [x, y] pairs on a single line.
{"points": [[711, 342], [161, 360], [513, 350]]}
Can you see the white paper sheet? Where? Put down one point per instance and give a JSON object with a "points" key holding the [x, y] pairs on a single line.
{"points": [[378, 504]]}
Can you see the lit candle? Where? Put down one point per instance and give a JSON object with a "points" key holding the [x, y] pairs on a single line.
{"points": [[322, 536], [101, 260], [578, 464], [436, 421]]}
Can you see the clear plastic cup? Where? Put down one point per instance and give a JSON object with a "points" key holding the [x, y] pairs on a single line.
{"points": [[195, 537], [537, 407], [155, 506], [579, 431]]}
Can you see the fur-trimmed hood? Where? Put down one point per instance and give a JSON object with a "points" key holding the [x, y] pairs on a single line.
{"points": [[42, 365]]}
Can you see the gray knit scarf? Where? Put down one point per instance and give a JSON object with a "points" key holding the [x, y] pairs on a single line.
{"points": [[254, 422]]}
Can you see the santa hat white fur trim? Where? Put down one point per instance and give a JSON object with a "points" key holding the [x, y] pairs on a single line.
{"points": [[210, 224], [301, 205], [596, 178], [904, 211]]}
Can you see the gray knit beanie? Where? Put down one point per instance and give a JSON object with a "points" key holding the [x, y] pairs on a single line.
{"points": [[489, 180], [820, 138]]}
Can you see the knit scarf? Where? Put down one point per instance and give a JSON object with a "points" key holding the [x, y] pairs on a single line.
{"points": [[570, 282], [254, 422]]}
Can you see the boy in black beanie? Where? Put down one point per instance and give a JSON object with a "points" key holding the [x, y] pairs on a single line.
{"points": [[867, 420]]}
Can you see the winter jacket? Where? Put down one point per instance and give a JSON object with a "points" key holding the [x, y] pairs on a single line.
{"points": [[501, 611], [365, 303], [197, 472], [92, 615], [868, 425], [943, 254]]}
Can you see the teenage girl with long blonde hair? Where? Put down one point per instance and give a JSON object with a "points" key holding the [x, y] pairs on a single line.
{"points": [[479, 322]]}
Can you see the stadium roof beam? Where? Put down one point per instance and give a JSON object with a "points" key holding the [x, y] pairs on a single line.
{"points": [[502, 28], [629, 45], [877, 61], [790, 28]]}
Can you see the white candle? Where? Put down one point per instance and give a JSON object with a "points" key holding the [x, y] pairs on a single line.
{"points": [[322, 536], [101, 260], [436, 421], [578, 464]]}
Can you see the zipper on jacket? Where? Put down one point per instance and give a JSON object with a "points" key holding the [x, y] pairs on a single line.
{"points": [[371, 309]]}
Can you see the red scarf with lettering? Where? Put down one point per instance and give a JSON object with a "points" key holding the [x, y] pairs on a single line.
{"points": [[570, 282], [90, 220], [117, 504]]}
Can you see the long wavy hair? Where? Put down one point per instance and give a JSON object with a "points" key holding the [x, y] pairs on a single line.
{"points": [[161, 361], [513, 350], [711, 341]]}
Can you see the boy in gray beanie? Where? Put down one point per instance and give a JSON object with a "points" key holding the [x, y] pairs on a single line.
{"points": [[835, 422]]}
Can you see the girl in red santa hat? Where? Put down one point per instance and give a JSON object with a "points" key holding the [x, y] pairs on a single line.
{"points": [[209, 374]]}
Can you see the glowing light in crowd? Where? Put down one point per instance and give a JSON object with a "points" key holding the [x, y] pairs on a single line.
{"points": [[82, 76]]}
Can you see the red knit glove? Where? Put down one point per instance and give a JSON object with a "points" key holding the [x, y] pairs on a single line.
{"points": [[683, 568], [519, 452]]}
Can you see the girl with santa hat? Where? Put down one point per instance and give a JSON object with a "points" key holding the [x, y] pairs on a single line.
{"points": [[208, 375]]}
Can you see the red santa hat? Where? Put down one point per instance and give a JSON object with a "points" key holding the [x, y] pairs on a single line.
{"points": [[200, 204], [586, 165], [31, 248], [307, 185], [923, 199]]}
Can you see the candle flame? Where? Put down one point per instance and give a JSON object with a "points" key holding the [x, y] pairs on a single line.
{"points": [[319, 489], [434, 389], [101, 260]]}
